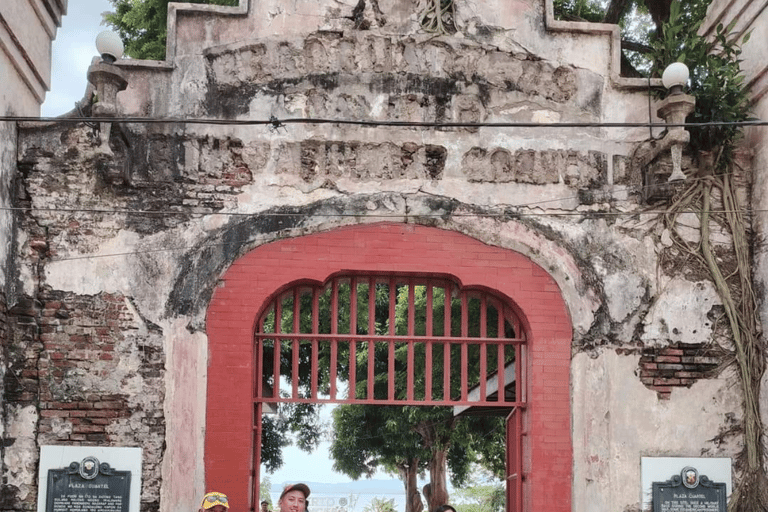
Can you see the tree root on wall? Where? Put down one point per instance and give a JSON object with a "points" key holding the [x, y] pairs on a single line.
{"points": [[735, 288]]}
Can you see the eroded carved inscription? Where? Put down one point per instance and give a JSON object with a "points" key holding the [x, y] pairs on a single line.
{"points": [[500, 165], [361, 161]]}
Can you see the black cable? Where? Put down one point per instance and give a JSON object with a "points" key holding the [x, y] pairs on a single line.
{"points": [[273, 121]]}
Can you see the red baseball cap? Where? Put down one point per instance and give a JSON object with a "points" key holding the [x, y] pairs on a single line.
{"points": [[295, 487]]}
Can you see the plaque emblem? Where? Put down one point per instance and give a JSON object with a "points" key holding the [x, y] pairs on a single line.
{"points": [[89, 468], [690, 477]]}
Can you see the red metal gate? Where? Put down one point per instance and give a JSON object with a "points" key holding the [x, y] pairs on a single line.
{"points": [[389, 340]]}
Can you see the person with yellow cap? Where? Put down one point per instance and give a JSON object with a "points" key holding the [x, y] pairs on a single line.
{"points": [[214, 502], [293, 498]]}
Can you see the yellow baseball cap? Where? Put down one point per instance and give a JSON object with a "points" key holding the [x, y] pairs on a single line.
{"points": [[212, 499]]}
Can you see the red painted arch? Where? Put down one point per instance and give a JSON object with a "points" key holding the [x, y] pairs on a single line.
{"points": [[401, 248]]}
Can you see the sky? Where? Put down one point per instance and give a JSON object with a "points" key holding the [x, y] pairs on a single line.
{"points": [[73, 49]]}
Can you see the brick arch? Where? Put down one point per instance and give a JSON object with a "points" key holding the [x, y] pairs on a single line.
{"points": [[402, 248]]}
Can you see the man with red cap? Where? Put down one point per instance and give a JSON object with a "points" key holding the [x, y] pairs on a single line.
{"points": [[293, 498], [214, 502]]}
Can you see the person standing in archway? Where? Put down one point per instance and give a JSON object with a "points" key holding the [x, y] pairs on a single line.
{"points": [[293, 498]]}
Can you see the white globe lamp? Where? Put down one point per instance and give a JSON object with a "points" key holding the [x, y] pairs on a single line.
{"points": [[109, 45], [675, 77]]}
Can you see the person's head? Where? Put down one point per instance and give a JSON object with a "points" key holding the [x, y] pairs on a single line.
{"points": [[264, 506], [445, 508], [214, 502], [293, 498]]}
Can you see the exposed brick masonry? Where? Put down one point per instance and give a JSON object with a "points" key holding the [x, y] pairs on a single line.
{"points": [[682, 364], [100, 379]]}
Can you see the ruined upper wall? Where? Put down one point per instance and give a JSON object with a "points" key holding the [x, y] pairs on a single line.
{"points": [[260, 37]]}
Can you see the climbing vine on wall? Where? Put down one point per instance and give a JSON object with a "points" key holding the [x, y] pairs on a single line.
{"points": [[438, 17], [718, 86]]}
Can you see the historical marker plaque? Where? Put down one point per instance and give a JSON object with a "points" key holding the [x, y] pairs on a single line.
{"points": [[88, 486], [689, 492]]}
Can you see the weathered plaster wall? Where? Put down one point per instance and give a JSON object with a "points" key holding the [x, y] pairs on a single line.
{"points": [[613, 433], [122, 269]]}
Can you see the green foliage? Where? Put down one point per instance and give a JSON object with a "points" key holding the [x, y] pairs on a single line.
{"points": [[371, 437], [483, 493], [297, 424], [380, 505], [142, 25], [716, 80], [585, 10], [264, 486]]}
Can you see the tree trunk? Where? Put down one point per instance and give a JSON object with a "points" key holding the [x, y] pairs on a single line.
{"points": [[614, 11], [409, 472], [659, 11], [437, 479]]}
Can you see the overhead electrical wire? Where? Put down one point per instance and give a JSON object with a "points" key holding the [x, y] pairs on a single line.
{"points": [[274, 122]]}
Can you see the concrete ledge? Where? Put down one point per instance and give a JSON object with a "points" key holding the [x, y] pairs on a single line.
{"points": [[613, 33]]}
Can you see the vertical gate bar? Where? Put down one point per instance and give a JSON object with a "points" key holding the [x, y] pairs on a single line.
{"points": [[392, 305], [258, 366], [409, 391], [501, 362], [520, 376], [276, 347], [428, 347], [509, 462], [371, 332], [411, 333], [464, 345], [352, 380], [391, 370], [483, 347], [315, 342], [501, 368], [256, 462], [295, 345], [335, 306], [428, 327], [520, 362], [411, 308], [447, 345], [483, 316], [518, 440], [296, 310], [391, 342], [334, 330], [500, 318]]}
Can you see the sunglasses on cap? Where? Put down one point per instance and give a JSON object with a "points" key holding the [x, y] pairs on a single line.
{"points": [[215, 498]]}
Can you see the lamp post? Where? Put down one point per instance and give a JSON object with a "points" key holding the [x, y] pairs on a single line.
{"points": [[674, 109], [108, 80]]}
